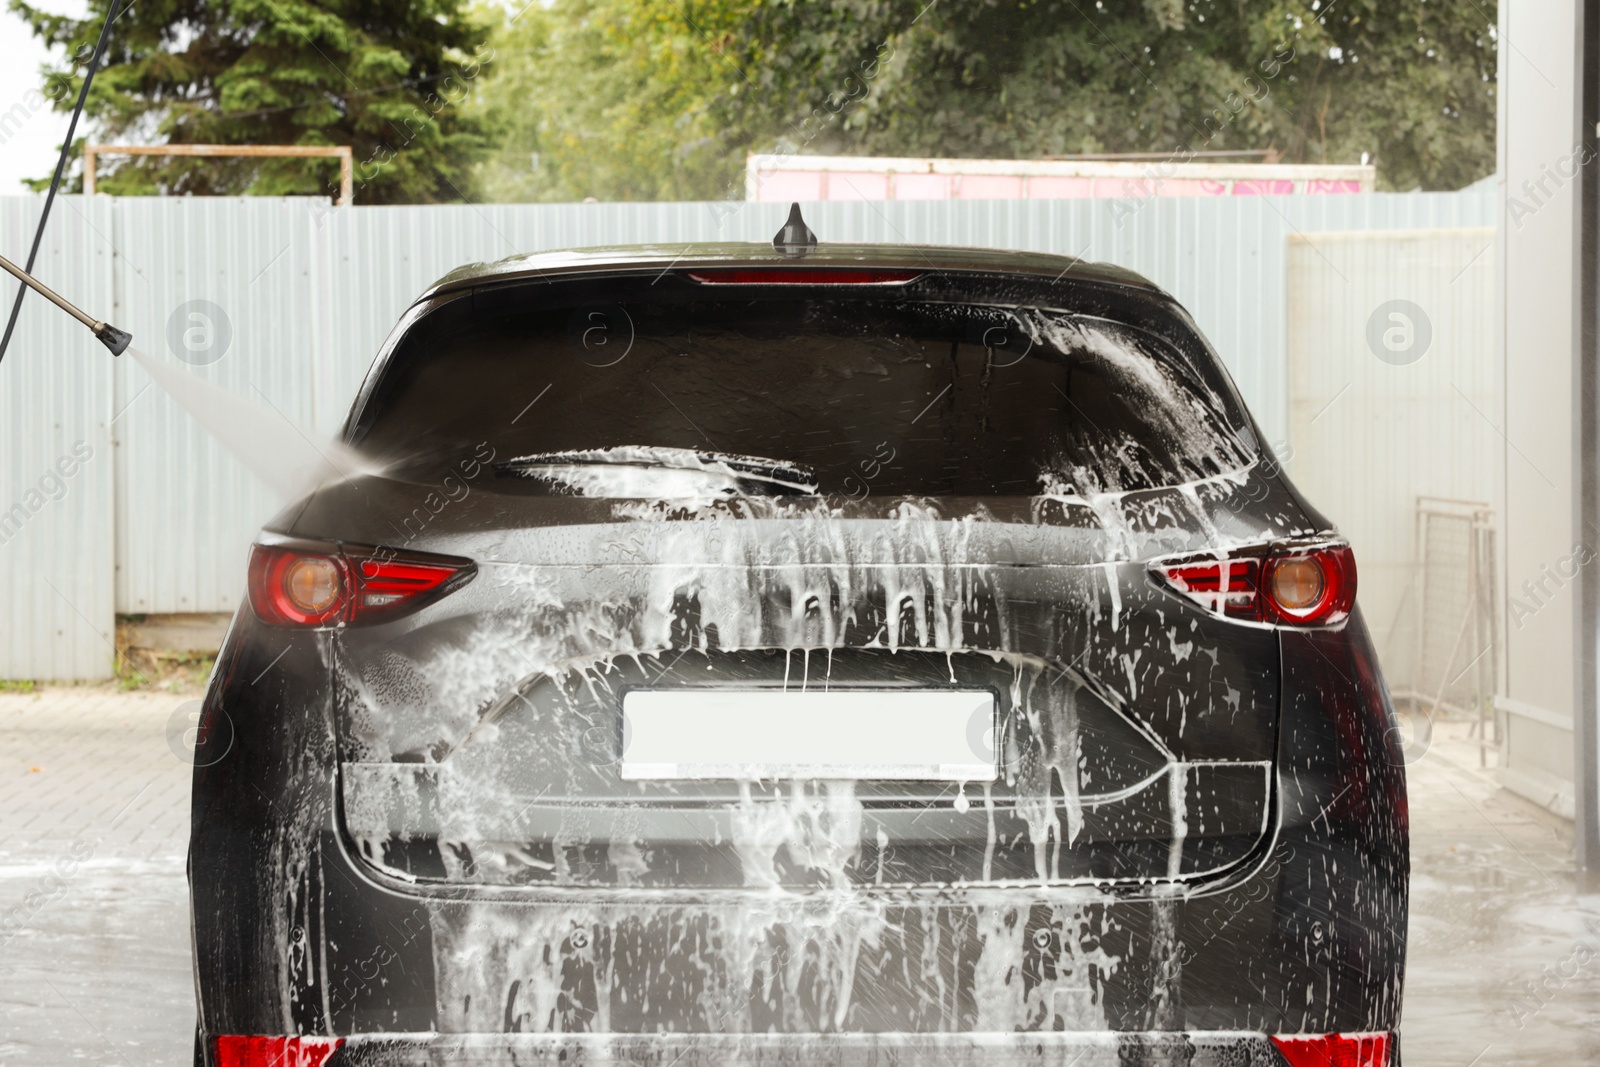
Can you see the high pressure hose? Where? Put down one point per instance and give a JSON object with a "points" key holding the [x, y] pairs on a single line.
{"points": [[110, 336]]}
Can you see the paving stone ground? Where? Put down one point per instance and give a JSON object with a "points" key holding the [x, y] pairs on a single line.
{"points": [[94, 934], [94, 927]]}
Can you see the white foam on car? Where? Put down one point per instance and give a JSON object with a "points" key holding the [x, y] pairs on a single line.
{"points": [[739, 561]]}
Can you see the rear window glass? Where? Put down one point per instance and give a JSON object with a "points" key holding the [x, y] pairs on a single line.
{"points": [[842, 396]]}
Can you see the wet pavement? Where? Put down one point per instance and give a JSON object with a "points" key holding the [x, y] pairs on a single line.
{"points": [[94, 927], [94, 935], [1504, 957]]}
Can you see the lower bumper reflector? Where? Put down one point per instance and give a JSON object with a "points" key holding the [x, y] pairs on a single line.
{"points": [[241, 1050], [1335, 1050]]}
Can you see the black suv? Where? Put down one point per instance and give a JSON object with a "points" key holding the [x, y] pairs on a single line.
{"points": [[851, 654]]}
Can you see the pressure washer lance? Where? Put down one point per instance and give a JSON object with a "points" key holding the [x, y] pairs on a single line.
{"points": [[113, 338]]}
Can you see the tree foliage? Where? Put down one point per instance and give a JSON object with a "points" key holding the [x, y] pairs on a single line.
{"points": [[662, 99], [605, 99], [386, 77]]}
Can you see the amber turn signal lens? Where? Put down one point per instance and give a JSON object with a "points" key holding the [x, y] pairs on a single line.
{"points": [[1298, 583], [312, 584]]}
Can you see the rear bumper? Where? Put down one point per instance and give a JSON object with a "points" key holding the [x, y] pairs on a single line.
{"points": [[293, 934], [1197, 1049]]}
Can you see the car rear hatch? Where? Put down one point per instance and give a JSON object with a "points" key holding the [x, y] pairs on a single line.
{"points": [[806, 586]]}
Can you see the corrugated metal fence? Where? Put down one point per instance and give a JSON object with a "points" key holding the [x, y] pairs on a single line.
{"points": [[286, 302], [56, 466], [1395, 389]]}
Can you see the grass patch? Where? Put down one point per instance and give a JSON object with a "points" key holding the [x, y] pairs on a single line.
{"points": [[137, 668], [143, 669]]}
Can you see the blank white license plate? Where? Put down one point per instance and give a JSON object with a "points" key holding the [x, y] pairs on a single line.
{"points": [[913, 735]]}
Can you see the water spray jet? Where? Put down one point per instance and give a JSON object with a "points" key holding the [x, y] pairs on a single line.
{"points": [[113, 338]]}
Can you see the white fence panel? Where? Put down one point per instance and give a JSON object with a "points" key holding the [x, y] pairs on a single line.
{"points": [[1395, 393], [223, 286], [56, 466]]}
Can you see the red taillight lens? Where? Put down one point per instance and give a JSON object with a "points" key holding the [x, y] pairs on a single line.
{"points": [[384, 585], [1226, 587], [294, 587], [803, 276], [238, 1050], [289, 588], [1335, 1050], [1311, 585]]}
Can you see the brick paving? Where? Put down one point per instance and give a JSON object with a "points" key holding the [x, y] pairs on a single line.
{"points": [[94, 935], [94, 929]]}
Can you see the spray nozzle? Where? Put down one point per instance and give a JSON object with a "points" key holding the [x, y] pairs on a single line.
{"points": [[113, 338]]}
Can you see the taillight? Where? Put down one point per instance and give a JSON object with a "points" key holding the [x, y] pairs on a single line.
{"points": [[803, 276], [290, 586], [1223, 587], [241, 1050], [1284, 585], [385, 584], [1335, 1050]]}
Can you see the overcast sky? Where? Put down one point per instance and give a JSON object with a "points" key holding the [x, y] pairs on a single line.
{"points": [[28, 141]]}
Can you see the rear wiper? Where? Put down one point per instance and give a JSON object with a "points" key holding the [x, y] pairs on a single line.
{"points": [[751, 473]]}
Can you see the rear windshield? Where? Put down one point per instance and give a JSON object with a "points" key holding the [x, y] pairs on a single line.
{"points": [[848, 396]]}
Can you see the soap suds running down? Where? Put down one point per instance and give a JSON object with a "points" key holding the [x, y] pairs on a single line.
{"points": [[655, 473], [521, 704], [819, 906]]}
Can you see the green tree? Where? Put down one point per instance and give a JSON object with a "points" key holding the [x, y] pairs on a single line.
{"points": [[601, 99], [387, 77], [653, 99]]}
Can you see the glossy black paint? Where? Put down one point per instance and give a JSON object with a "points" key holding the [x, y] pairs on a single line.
{"points": [[302, 928]]}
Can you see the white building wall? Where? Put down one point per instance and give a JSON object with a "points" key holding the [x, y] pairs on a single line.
{"points": [[1538, 231]]}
